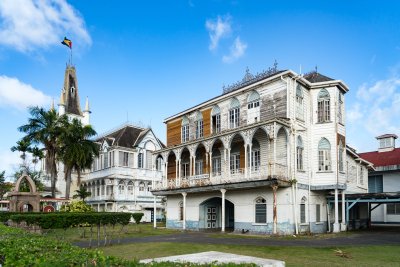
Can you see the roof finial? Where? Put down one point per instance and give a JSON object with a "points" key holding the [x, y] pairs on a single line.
{"points": [[87, 104]]}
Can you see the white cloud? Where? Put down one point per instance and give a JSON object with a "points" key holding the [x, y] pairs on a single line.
{"points": [[19, 95], [237, 50], [376, 111], [27, 25], [9, 162], [217, 29]]}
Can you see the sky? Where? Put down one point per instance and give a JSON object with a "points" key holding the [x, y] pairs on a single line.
{"points": [[143, 61]]}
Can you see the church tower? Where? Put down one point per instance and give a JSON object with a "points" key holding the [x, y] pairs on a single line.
{"points": [[69, 100]]}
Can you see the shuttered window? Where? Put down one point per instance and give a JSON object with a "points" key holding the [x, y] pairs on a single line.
{"points": [[375, 184], [317, 212], [393, 209], [261, 210]]}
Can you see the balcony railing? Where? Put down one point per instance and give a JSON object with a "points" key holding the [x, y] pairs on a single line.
{"points": [[234, 176], [124, 172]]}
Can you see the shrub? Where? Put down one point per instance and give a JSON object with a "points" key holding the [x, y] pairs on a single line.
{"points": [[137, 216], [77, 206]]}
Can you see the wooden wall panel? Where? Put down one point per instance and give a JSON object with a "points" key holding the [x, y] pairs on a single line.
{"points": [[174, 133], [171, 169], [206, 122], [242, 155]]}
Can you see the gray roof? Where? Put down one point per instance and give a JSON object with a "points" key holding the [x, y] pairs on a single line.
{"points": [[315, 77]]}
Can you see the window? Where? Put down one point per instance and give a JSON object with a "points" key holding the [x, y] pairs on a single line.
{"points": [[303, 210], [340, 108], [199, 167], [261, 210], [300, 150], [324, 155], [149, 187], [141, 187], [181, 211], [140, 160], [299, 102], [185, 169], [324, 106], [130, 188], [159, 164], [185, 129], [375, 184], [234, 113], [121, 188], [216, 120], [216, 165], [98, 190], [318, 213], [255, 159], [125, 159], [199, 125], [254, 100], [361, 175], [235, 163], [393, 209], [106, 160], [386, 142], [340, 156]]}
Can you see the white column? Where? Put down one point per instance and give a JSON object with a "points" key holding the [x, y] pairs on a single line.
{"points": [[180, 169], [184, 210], [336, 226], [176, 172], [155, 212], [250, 159], [245, 161], [343, 225], [223, 191], [211, 168], [229, 163], [190, 165]]}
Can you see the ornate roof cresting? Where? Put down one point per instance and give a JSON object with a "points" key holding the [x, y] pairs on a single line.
{"points": [[250, 78]]}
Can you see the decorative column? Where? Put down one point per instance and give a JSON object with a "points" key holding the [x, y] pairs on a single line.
{"points": [[184, 211], [343, 225], [229, 162], [190, 166], [206, 162], [211, 168], [274, 189], [336, 226], [177, 183], [245, 161], [223, 191], [250, 159], [180, 169]]}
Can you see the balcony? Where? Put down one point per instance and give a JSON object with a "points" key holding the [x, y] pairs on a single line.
{"points": [[277, 171], [124, 172]]}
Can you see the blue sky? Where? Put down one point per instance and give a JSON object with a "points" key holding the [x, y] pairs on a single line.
{"points": [[146, 60]]}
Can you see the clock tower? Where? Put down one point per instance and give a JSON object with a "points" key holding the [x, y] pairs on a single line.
{"points": [[69, 99]]}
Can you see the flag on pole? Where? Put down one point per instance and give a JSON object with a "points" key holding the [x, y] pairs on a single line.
{"points": [[67, 42]]}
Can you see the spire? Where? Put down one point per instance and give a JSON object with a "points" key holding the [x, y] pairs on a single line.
{"points": [[70, 92], [52, 104], [62, 101], [87, 109]]}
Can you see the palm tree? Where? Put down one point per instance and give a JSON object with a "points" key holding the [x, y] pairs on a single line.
{"points": [[37, 154], [44, 127], [22, 146], [77, 150], [82, 193]]}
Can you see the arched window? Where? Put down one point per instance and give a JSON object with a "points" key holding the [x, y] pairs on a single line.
{"points": [[199, 125], [130, 188], [234, 113], [260, 210], [121, 187], [303, 210], [300, 150], [216, 162], [149, 186], [324, 155], [216, 120], [299, 102], [185, 129], [340, 156], [324, 114], [181, 211], [253, 107]]}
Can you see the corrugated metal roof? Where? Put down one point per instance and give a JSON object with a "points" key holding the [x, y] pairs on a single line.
{"points": [[382, 158]]}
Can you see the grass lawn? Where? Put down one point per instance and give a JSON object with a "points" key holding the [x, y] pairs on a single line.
{"points": [[131, 230], [293, 256]]}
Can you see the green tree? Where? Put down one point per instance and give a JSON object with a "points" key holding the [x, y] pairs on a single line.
{"points": [[22, 146], [76, 206], [37, 155], [77, 151], [4, 186], [44, 127], [82, 193]]}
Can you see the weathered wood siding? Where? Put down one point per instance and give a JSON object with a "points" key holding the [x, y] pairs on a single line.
{"points": [[174, 132]]}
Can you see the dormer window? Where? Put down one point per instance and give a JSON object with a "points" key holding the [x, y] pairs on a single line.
{"points": [[253, 107]]}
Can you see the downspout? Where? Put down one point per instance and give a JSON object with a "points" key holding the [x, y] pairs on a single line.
{"points": [[309, 154]]}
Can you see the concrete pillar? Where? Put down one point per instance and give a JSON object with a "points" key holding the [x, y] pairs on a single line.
{"points": [[275, 215], [223, 191], [155, 211], [343, 225], [184, 211], [250, 159], [336, 226]]}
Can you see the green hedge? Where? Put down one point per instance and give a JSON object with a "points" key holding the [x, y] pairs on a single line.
{"points": [[5, 215], [63, 220]]}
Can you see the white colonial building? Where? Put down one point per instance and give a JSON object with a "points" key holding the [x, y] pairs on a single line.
{"points": [[261, 157], [123, 175]]}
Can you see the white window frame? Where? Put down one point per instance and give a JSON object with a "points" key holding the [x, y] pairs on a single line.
{"points": [[198, 169], [234, 118], [324, 157], [185, 133], [324, 112], [234, 162], [199, 129], [216, 165], [260, 211]]}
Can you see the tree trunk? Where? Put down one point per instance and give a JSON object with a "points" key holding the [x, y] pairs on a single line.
{"points": [[67, 181]]}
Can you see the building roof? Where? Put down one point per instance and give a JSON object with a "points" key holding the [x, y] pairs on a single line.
{"points": [[124, 137], [386, 158], [386, 136], [315, 77]]}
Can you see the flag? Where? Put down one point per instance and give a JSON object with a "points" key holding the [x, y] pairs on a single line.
{"points": [[67, 42]]}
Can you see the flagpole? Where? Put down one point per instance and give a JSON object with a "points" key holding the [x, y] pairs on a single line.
{"points": [[71, 57]]}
